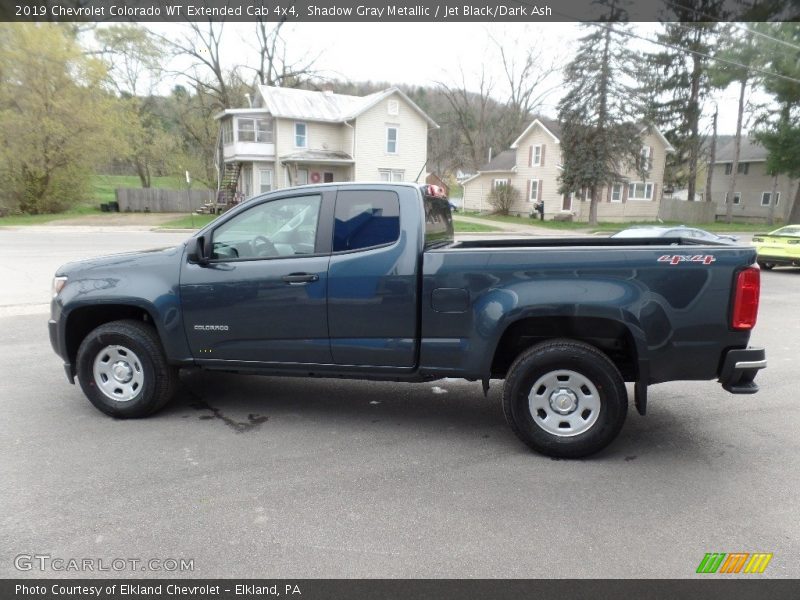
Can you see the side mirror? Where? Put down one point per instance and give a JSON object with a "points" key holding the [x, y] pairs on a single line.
{"points": [[198, 250]]}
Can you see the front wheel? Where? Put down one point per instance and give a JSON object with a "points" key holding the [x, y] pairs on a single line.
{"points": [[123, 370], [565, 399]]}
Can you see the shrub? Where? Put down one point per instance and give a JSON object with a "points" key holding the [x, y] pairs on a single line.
{"points": [[503, 197]]}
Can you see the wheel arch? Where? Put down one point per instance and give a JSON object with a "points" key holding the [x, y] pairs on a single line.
{"points": [[82, 320], [622, 343]]}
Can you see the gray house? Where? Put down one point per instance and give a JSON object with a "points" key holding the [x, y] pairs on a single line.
{"points": [[753, 190]]}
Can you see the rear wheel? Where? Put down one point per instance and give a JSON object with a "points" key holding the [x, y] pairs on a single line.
{"points": [[565, 398], [123, 370], [767, 266]]}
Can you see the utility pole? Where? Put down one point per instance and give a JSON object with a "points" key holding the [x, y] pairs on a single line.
{"points": [[189, 196]]}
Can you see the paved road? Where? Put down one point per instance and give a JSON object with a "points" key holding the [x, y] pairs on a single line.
{"points": [[273, 477]]}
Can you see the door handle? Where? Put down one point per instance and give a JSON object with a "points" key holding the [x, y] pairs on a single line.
{"points": [[298, 278]]}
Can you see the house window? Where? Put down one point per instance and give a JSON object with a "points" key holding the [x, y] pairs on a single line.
{"points": [[737, 197], [391, 175], [327, 177], [766, 197], [227, 131], [302, 176], [728, 168], [743, 168], [265, 180], [640, 191], [393, 108], [616, 192], [300, 135], [391, 140], [536, 160], [254, 130], [496, 183], [534, 185]]}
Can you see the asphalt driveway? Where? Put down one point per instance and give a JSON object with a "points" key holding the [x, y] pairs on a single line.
{"points": [[268, 477]]}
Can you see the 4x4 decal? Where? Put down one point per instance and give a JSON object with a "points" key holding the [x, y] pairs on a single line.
{"points": [[674, 259]]}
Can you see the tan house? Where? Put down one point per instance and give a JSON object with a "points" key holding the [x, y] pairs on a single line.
{"points": [[533, 166], [294, 137], [753, 187]]}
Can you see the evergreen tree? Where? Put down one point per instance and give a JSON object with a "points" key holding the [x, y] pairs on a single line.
{"points": [[598, 114], [682, 82], [735, 49], [779, 132]]}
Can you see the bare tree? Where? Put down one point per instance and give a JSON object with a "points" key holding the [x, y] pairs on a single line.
{"points": [[201, 43], [526, 72], [274, 66], [475, 116]]}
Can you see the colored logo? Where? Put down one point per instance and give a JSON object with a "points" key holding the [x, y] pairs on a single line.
{"points": [[734, 562]]}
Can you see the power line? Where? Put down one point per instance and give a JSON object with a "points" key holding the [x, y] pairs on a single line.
{"points": [[749, 68], [736, 25], [726, 61]]}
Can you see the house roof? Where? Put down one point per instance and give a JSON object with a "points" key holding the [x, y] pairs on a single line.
{"points": [[292, 103], [750, 151], [553, 127], [318, 156], [505, 161]]}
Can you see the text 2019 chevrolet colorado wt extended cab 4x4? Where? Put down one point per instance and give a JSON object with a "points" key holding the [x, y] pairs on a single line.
{"points": [[366, 281]]}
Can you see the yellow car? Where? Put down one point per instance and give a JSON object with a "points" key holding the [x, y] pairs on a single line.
{"points": [[778, 248]]}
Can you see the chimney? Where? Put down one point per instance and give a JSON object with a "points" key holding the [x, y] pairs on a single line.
{"points": [[327, 88], [490, 155]]}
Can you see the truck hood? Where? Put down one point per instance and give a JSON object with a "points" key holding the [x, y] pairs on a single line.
{"points": [[123, 260]]}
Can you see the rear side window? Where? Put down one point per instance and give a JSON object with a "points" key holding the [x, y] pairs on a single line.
{"points": [[364, 219]]}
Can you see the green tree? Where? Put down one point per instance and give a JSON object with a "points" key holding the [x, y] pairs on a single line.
{"points": [[134, 57], [681, 82], [55, 119], [779, 130], [737, 53], [599, 137]]}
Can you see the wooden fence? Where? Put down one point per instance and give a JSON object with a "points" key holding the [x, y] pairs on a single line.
{"points": [[161, 200], [672, 209]]}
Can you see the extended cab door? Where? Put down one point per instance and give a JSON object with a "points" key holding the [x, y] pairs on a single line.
{"points": [[372, 277], [262, 296]]}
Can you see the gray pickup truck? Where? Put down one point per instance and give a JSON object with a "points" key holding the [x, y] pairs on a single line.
{"points": [[366, 281]]}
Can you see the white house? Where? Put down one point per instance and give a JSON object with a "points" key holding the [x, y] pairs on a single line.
{"points": [[294, 137], [533, 166]]}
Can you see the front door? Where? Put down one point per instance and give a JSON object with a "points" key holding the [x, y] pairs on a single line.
{"points": [[566, 202], [262, 297]]}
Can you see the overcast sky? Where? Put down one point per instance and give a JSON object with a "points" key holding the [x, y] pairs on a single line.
{"points": [[424, 53]]}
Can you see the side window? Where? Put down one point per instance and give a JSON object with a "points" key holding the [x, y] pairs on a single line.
{"points": [[365, 219], [285, 227]]}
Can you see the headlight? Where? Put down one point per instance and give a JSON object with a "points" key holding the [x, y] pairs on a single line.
{"points": [[58, 285]]}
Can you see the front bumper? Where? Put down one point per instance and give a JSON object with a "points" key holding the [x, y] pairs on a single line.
{"points": [[52, 327], [739, 369]]}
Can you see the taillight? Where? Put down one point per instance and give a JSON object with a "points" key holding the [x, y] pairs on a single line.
{"points": [[745, 299]]}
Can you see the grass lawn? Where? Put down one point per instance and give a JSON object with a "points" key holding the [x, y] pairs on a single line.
{"points": [[101, 191], [188, 222], [464, 227], [612, 227]]}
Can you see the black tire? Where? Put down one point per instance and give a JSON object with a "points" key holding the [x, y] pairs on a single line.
{"points": [[767, 266], [158, 379], [542, 363]]}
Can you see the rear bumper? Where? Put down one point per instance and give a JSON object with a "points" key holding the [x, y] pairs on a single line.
{"points": [[739, 369]]}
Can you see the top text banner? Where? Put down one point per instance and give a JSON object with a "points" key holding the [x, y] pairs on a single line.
{"points": [[388, 11]]}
